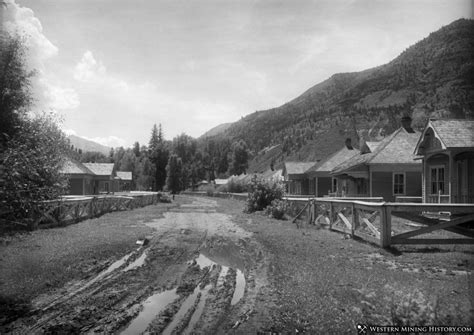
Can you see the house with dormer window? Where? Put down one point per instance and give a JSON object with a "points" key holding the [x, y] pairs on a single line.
{"points": [[446, 148], [385, 169]]}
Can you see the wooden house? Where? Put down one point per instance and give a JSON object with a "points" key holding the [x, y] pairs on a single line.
{"points": [[295, 177], [386, 169], [81, 179], [321, 182], [447, 151], [104, 177], [124, 181]]}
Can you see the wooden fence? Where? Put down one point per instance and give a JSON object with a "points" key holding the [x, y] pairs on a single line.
{"points": [[372, 221], [71, 209]]}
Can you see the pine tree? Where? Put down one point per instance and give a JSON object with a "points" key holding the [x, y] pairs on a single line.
{"points": [[174, 171], [158, 156]]}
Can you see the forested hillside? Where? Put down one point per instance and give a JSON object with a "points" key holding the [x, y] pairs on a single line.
{"points": [[433, 78]]}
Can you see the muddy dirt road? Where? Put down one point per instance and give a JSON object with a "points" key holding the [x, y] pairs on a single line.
{"points": [[198, 272]]}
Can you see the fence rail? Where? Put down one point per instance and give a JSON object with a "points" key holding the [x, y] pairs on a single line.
{"points": [[372, 221], [370, 218], [71, 209]]}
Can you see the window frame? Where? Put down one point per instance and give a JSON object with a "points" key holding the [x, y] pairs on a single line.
{"points": [[404, 183], [437, 168]]}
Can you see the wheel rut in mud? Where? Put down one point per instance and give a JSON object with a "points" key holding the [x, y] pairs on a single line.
{"points": [[200, 273]]}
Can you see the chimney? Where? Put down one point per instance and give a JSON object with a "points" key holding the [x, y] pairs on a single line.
{"points": [[349, 143], [406, 124]]}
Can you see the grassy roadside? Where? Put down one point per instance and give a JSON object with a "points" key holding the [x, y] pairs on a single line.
{"points": [[321, 281], [35, 263]]}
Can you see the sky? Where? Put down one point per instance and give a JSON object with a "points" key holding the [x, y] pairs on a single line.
{"points": [[113, 68]]}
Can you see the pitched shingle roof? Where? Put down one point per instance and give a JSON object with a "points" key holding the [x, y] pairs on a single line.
{"points": [[74, 167], [124, 175], [101, 169], [334, 160], [454, 133], [394, 149], [298, 167]]}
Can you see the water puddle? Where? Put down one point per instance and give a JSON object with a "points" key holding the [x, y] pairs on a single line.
{"points": [[239, 287], [198, 312], [153, 306], [204, 262], [137, 263]]}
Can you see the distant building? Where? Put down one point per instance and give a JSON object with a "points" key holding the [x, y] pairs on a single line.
{"points": [[446, 148], [81, 179], [104, 177], [321, 182], [124, 181], [385, 169], [295, 177], [95, 178]]}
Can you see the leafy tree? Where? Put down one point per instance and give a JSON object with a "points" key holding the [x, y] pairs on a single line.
{"points": [[15, 97], [240, 157], [30, 166], [32, 147], [174, 171]]}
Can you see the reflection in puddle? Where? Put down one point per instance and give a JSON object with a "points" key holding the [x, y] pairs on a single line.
{"points": [[153, 306], [137, 263], [239, 287], [203, 261], [198, 312]]}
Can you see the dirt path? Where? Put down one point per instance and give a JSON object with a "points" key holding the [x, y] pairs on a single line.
{"points": [[209, 268], [198, 272]]}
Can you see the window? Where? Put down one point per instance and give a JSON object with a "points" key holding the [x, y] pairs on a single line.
{"points": [[334, 184], [437, 180], [399, 183]]}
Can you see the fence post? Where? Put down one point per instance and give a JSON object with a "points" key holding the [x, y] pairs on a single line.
{"points": [[355, 219], [331, 215], [385, 226]]}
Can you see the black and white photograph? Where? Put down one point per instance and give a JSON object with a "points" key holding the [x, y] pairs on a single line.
{"points": [[236, 167]]}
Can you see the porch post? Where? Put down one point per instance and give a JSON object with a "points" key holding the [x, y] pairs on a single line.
{"points": [[370, 182], [450, 174]]}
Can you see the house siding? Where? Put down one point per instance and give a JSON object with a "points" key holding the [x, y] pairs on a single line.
{"points": [[324, 186], [382, 185], [413, 184]]}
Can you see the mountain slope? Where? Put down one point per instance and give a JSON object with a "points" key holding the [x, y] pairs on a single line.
{"points": [[216, 130], [434, 77], [87, 145]]}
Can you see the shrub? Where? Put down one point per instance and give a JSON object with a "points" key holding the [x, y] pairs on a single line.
{"points": [[277, 209], [262, 193], [210, 190], [233, 186], [414, 308]]}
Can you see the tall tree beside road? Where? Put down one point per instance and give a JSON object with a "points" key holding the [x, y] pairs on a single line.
{"points": [[32, 147], [159, 154], [174, 171], [240, 156]]}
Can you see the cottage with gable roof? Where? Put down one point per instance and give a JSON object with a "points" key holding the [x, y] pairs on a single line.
{"points": [[124, 181], [321, 182], [447, 151], [104, 174], [81, 179], [295, 178], [385, 169]]}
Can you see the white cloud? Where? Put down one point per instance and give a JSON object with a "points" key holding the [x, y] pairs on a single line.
{"points": [[88, 69], [109, 141], [48, 92], [69, 132]]}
